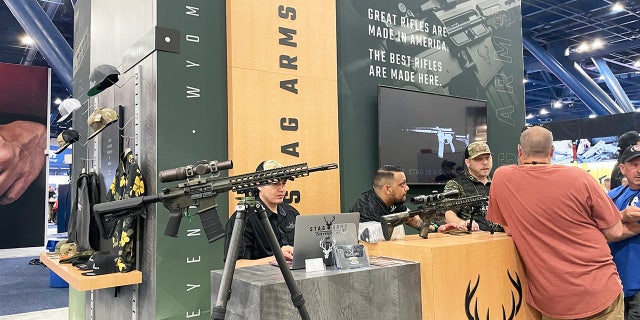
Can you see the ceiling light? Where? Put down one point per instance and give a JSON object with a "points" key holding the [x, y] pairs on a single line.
{"points": [[601, 77], [617, 7], [591, 116], [637, 64], [597, 44], [583, 47], [57, 101], [544, 111], [529, 116], [557, 104], [26, 40]]}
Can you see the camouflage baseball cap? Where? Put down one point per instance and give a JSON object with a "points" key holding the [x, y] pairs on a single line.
{"points": [[66, 138], [100, 119], [268, 165], [476, 149], [68, 249]]}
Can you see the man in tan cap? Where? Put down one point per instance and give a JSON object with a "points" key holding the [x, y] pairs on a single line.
{"points": [[475, 181], [254, 246]]}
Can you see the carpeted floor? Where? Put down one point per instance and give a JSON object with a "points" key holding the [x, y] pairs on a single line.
{"points": [[25, 287]]}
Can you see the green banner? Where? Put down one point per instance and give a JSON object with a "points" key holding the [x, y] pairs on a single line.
{"points": [[191, 126], [470, 49]]}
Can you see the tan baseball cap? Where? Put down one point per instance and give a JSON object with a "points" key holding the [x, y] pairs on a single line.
{"points": [[476, 149], [100, 119], [268, 165]]}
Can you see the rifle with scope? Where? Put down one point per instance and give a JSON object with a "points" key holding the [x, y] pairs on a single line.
{"points": [[432, 207], [197, 195]]}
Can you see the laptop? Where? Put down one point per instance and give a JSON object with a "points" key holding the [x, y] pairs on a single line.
{"points": [[317, 235]]}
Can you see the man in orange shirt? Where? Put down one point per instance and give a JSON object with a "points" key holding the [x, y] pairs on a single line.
{"points": [[561, 220]]}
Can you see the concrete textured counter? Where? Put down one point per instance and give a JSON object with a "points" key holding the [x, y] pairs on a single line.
{"points": [[390, 289]]}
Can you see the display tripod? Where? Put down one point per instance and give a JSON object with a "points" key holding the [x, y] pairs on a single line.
{"points": [[249, 205]]}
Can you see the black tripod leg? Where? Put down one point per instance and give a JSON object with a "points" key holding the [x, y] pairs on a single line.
{"points": [[296, 295], [224, 291]]}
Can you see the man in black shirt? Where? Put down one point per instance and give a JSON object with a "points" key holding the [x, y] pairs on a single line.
{"points": [[474, 182], [254, 246], [625, 140], [388, 194]]}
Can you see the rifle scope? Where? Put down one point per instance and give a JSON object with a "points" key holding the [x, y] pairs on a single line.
{"points": [[199, 168], [434, 197]]}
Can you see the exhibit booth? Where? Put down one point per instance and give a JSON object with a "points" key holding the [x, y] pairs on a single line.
{"points": [[297, 82]]}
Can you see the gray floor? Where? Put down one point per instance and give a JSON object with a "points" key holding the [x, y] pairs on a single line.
{"points": [[53, 314]]}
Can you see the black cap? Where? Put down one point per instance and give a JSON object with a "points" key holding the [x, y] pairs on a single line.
{"points": [[627, 139], [630, 153], [101, 262], [66, 138]]}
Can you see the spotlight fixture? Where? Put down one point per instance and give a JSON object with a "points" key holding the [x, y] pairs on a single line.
{"points": [[617, 7]]}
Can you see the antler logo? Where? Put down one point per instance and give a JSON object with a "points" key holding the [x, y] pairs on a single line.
{"points": [[515, 307], [328, 243]]}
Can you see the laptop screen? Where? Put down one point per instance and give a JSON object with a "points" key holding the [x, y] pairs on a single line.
{"points": [[316, 235]]}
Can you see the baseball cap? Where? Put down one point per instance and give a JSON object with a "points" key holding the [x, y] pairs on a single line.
{"points": [[103, 77], [268, 165], [100, 262], [630, 153], [66, 138], [100, 119], [68, 249], [627, 139], [476, 149], [67, 107]]}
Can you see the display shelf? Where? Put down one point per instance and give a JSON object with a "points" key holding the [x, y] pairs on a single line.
{"points": [[79, 282]]}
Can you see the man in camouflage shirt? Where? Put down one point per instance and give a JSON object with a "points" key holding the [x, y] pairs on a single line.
{"points": [[475, 181]]}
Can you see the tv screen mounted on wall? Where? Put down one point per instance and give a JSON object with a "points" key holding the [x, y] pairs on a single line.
{"points": [[426, 133]]}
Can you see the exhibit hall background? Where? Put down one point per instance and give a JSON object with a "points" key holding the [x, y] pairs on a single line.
{"points": [[468, 49], [25, 97]]}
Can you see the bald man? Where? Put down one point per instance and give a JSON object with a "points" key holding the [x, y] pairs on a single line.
{"points": [[561, 220]]}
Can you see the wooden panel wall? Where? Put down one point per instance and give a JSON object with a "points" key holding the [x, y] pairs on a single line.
{"points": [[283, 101]]}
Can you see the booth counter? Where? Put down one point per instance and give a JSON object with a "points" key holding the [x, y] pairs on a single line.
{"points": [[467, 276], [388, 289]]}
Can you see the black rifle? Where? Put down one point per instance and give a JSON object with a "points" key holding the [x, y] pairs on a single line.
{"points": [[197, 195], [432, 209]]}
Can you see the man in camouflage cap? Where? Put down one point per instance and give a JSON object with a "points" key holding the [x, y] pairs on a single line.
{"points": [[254, 248], [475, 181]]}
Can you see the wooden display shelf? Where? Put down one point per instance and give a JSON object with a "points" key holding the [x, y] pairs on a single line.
{"points": [[74, 276]]}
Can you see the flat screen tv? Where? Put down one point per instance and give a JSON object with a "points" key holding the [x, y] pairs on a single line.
{"points": [[426, 133]]}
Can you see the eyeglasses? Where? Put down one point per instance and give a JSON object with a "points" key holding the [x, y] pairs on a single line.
{"points": [[533, 125]]}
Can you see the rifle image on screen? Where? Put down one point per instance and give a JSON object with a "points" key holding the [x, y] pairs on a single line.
{"points": [[445, 137], [431, 209], [197, 195]]}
